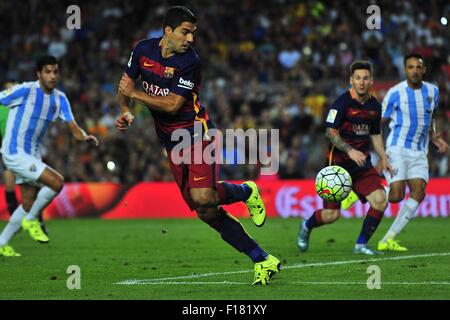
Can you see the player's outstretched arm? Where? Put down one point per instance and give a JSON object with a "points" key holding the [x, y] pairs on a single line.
{"points": [[170, 103], [383, 164], [338, 142], [437, 139], [377, 142], [440, 144], [81, 135], [126, 118], [13, 96]]}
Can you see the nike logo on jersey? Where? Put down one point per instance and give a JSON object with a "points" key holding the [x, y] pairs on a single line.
{"points": [[148, 65], [199, 178]]}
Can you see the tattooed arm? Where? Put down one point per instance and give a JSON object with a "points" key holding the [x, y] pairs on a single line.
{"points": [[333, 135], [335, 138]]}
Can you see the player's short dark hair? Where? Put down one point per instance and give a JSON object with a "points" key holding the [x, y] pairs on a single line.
{"points": [[413, 55], [361, 64], [44, 61], [177, 15]]}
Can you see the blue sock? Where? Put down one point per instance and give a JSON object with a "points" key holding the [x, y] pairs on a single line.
{"points": [[258, 254], [315, 220], [234, 234], [230, 193], [369, 226]]}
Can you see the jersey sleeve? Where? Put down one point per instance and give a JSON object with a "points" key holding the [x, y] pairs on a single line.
{"points": [[335, 115], [391, 99], [186, 79], [436, 97], [65, 111], [133, 69], [14, 96]]}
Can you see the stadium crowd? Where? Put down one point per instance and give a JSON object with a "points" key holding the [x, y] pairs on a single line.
{"points": [[266, 64]]}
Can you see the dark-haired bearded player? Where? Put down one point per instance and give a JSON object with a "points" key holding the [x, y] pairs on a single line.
{"points": [[170, 72]]}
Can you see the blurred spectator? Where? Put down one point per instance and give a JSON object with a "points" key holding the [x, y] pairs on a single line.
{"points": [[276, 64]]}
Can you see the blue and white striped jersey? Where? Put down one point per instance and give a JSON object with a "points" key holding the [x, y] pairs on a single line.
{"points": [[410, 112], [31, 111]]}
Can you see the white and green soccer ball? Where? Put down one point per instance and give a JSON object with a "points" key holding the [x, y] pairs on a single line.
{"points": [[333, 183]]}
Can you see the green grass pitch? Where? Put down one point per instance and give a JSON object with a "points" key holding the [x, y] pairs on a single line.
{"points": [[185, 259]]}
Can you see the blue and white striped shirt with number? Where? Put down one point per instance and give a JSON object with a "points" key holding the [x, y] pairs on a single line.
{"points": [[410, 112], [31, 111]]}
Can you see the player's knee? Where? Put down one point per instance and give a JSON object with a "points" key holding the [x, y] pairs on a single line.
{"points": [[203, 199], [60, 183], [380, 206], [418, 195], [57, 183], [10, 187], [396, 196], [206, 214], [380, 203], [330, 216], [58, 187]]}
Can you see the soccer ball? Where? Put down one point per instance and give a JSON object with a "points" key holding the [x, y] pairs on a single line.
{"points": [[333, 183]]}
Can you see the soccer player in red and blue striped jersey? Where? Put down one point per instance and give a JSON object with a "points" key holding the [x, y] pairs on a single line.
{"points": [[170, 71], [353, 121]]}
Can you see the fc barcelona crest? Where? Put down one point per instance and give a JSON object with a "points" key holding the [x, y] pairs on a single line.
{"points": [[168, 72]]}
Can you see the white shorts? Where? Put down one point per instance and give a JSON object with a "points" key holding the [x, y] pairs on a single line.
{"points": [[407, 164], [26, 168]]}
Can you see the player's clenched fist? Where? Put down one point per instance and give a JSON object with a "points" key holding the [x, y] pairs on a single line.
{"points": [[124, 121], [441, 145]]}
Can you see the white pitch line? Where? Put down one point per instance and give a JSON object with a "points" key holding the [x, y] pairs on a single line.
{"points": [[395, 283], [334, 263], [295, 266], [192, 276], [194, 282]]}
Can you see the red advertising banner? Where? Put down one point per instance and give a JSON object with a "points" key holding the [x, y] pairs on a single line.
{"points": [[298, 198], [284, 198]]}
